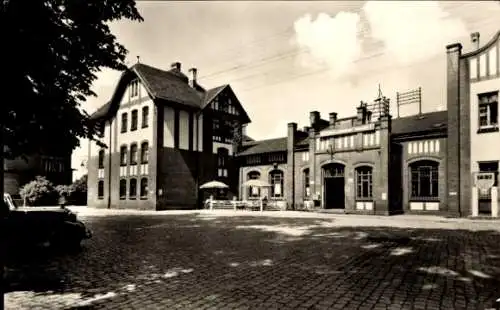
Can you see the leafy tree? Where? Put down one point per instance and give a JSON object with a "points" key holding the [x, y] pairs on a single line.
{"points": [[52, 50], [80, 185], [39, 192]]}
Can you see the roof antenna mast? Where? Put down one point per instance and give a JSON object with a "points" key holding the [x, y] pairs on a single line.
{"points": [[138, 59]]}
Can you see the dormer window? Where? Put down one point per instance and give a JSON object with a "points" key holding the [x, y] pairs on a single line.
{"points": [[134, 89]]}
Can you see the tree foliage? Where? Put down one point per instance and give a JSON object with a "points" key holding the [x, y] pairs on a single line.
{"points": [[53, 49], [39, 192]]}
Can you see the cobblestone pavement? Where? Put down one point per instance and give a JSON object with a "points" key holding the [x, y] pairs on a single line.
{"points": [[221, 260]]}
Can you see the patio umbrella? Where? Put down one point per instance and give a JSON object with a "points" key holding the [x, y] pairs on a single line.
{"points": [[213, 184]]}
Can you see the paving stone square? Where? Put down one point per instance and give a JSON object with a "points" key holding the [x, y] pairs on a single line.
{"points": [[229, 260]]}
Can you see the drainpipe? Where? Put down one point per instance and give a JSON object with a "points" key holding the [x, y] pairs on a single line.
{"points": [[109, 162], [197, 182]]}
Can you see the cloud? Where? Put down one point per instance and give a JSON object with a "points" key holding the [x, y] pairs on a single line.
{"points": [[331, 41], [412, 31]]}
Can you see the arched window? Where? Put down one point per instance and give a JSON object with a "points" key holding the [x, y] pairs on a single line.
{"points": [[124, 122], [144, 152], [144, 188], [364, 183], [123, 155], [222, 155], [424, 180], [135, 116], [101, 159], [132, 189], [123, 189], [306, 180], [100, 189], [276, 178], [145, 117], [253, 191], [133, 154]]}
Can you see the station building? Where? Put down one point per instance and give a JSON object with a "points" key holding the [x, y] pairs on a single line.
{"points": [[370, 162]]}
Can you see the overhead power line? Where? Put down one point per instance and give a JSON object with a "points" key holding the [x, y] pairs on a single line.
{"points": [[280, 56]]}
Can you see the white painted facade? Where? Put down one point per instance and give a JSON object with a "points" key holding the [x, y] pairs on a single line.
{"points": [[484, 146]]}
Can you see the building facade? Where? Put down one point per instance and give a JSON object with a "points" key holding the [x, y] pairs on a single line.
{"points": [[165, 135], [54, 165], [427, 164], [369, 163], [473, 82]]}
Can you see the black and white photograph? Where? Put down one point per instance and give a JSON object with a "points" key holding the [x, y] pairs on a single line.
{"points": [[250, 155]]}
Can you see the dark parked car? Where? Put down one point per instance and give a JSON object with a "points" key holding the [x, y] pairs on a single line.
{"points": [[55, 226]]}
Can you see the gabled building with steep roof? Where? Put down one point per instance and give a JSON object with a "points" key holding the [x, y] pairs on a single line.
{"points": [[165, 135]]}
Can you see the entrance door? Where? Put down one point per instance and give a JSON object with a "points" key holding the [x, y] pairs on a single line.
{"points": [[334, 191]]}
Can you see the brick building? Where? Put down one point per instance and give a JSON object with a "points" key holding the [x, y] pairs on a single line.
{"points": [[55, 165], [473, 82], [165, 135], [372, 163], [367, 163]]}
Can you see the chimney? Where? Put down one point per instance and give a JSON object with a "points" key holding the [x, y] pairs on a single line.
{"points": [[474, 38], [244, 130], [333, 118], [368, 116], [314, 118], [194, 75], [361, 114], [176, 66]]}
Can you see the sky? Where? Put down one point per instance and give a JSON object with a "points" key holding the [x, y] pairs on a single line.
{"points": [[285, 59]]}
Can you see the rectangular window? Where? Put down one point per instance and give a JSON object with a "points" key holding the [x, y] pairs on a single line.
{"points": [[490, 166], [424, 181], [101, 159], [123, 155], [132, 189], [123, 189], [133, 154], [488, 111], [100, 190], [144, 152], [133, 125], [307, 191], [145, 117], [124, 122], [364, 183], [144, 188], [134, 89]]}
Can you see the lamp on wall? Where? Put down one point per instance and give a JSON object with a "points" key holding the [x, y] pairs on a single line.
{"points": [[331, 150]]}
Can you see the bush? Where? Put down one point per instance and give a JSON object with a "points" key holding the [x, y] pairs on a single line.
{"points": [[39, 192], [78, 194]]}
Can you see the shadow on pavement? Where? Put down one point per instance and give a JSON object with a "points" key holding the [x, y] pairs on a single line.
{"points": [[197, 260]]}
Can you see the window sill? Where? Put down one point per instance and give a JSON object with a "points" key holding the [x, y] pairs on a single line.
{"points": [[364, 199], [122, 198], [144, 162], [424, 199], [132, 198], [144, 126], [133, 164], [487, 130], [144, 198], [123, 165], [123, 131], [100, 198], [133, 129]]}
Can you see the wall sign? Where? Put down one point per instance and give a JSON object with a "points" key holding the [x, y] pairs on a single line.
{"points": [[384, 196], [453, 193]]}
